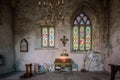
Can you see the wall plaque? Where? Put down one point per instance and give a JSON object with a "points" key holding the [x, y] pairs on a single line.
{"points": [[23, 45]]}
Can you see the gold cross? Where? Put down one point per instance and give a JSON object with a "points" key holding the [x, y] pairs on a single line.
{"points": [[64, 40]]}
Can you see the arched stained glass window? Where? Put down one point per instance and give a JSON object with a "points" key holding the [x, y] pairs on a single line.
{"points": [[81, 33]]}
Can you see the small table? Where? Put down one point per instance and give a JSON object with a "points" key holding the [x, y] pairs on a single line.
{"points": [[114, 69], [28, 73], [63, 63]]}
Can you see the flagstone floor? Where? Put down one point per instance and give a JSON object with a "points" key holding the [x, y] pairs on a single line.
{"points": [[60, 76]]}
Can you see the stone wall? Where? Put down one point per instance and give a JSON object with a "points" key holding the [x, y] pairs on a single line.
{"points": [[113, 55], [28, 20], [6, 37]]}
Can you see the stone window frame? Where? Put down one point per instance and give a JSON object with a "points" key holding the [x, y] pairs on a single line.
{"points": [[48, 27]]}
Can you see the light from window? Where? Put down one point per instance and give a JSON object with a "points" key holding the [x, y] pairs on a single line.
{"points": [[81, 36]]}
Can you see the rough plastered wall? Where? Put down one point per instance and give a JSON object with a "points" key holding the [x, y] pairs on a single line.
{"points": [[29, 19], [114, 41], [6, 37]]}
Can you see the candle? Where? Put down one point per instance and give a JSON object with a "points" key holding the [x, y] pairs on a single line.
{"points": [[39, 3], [58, 2], [62, 1]]}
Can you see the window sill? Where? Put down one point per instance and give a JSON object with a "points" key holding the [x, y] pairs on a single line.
{"points": [[78, 52], [45, 48]]}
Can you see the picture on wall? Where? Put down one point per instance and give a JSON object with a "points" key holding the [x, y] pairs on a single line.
{"points": [[23, 45]]}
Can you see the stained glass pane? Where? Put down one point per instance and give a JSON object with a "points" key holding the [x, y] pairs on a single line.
{"points": [[51, 36], [75, 22], [88, 22], [88, 38], [82, 22], [81, 14], [75, 38], [44, 37], [78, 18], [82, 39], [84, 18]]}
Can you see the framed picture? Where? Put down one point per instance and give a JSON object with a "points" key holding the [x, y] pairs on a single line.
{"points": [[23, 45]]}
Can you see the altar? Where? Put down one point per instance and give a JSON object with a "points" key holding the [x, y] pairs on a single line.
{"points": [[63, 64]]}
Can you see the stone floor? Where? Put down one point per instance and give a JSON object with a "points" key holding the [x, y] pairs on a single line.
{"points": [[60, 76]]}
